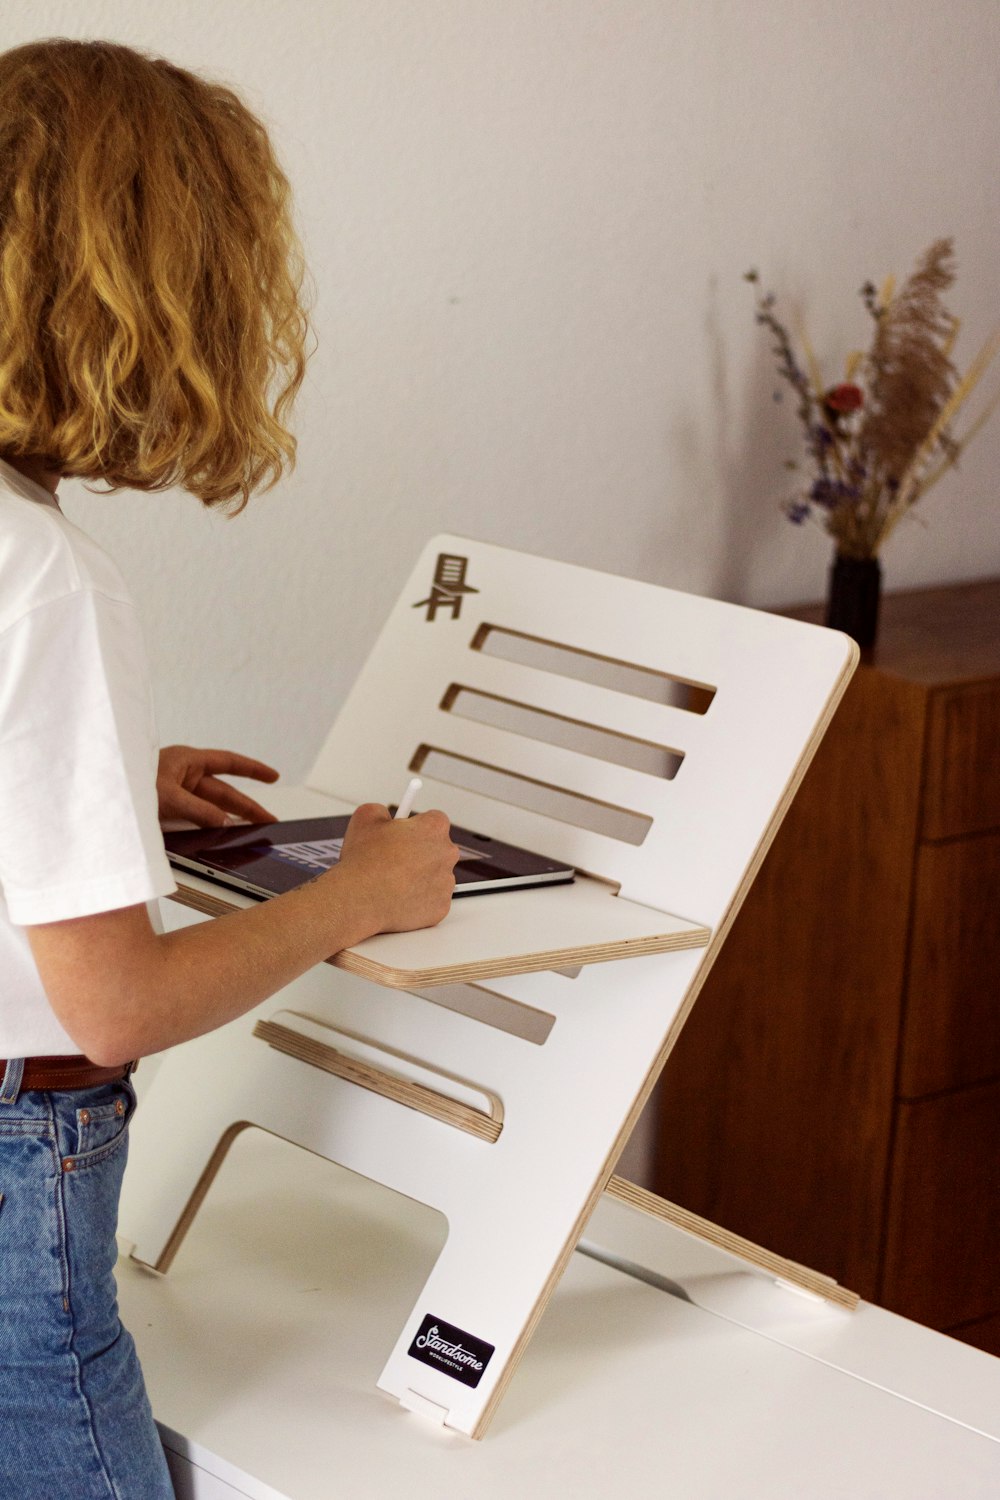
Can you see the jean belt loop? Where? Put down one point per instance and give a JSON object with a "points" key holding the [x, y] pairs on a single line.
{"points": [[10, 1088]]}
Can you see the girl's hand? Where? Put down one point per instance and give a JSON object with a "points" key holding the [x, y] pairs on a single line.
{"points": [[187, 786], [401, 871]]}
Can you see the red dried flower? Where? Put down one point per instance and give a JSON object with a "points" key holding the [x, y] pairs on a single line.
{"points": [[844, 398]]}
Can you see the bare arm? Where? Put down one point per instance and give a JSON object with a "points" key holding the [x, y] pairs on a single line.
{"points": [[122, 990]]}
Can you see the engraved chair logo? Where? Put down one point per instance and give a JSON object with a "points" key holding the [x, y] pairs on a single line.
{"points": [[448, 587], [450, 1350]]}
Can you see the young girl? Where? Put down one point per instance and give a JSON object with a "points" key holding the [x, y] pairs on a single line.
{"points": [[151, 335]]}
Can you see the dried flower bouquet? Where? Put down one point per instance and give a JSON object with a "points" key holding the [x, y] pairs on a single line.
{"points": [[879, 439]]}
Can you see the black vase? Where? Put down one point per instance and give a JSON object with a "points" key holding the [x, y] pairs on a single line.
{"points": [[852, 603]]}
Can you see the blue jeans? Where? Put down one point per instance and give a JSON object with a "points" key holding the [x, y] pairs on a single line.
{"points": [[75, 1422]]}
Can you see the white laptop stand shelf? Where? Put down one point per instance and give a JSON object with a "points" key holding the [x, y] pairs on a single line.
{"points": [[649, 738]]}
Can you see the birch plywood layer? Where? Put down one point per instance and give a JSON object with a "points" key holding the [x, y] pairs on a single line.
{"points": [[649, 738]]}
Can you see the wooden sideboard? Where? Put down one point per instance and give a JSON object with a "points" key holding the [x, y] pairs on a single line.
{"points": [[835, 1094]]}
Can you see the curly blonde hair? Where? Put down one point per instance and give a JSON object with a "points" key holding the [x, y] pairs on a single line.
{"points": [[152, 331]]}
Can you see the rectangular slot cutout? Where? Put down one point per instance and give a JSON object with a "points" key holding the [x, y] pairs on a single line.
{"points": [[534, 796], [588, 666], [557, 729], [492, 1009]]}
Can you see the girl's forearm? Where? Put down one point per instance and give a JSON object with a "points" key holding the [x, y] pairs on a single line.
{"points": [[122, 990]]}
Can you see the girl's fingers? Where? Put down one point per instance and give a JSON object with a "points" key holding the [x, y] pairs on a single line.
{"points": [[229, 763], [231, 800], [185, 804]]}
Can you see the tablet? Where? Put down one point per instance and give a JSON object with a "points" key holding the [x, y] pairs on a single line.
{"points": [[266, 859]]}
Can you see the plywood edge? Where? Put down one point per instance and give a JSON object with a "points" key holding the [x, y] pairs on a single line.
{"points": [[399, 1090], [820, 1285], [199, 900], [523, 963], [198, 1194]]}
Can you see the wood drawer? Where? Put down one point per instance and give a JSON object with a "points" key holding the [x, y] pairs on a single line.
{"points": [[943, 1242], [962, 792], [952, 1030]]}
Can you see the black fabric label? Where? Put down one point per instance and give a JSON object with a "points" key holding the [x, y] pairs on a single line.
{"points": [[450, 1350]]}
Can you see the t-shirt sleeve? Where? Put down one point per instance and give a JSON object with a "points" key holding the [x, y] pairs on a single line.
{"points": [[78, 813]]}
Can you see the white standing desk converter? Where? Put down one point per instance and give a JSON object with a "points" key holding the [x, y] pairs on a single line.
{"points": [[665, 1369], [653, 740]]}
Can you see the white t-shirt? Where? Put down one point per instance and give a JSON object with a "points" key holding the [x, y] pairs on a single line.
{"points": [[78, 751]]}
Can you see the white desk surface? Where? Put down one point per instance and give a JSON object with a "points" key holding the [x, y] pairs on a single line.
{"points": [[263, 1345]]}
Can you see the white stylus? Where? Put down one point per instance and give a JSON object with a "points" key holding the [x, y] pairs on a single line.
{"points": [[408, 798]]}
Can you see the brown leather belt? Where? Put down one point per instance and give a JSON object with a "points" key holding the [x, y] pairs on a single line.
{"points": [[67, 1073]]}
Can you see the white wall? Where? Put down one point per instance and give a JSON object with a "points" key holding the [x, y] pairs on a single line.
{"points": [[527, 222]]}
